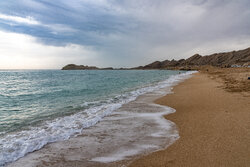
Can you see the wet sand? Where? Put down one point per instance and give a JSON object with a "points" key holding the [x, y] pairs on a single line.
{"points": [[212, 117], [135, 129], [213, 122]]}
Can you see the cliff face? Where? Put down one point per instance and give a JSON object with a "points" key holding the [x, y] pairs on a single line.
{"points": [[226, 59]]}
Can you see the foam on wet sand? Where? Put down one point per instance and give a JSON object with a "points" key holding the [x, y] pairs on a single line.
{"points": [[138, 127]]}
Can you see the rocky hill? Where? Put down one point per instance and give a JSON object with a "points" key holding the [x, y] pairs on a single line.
{"points": [[227, 59], [78, 67], [82, 67]]}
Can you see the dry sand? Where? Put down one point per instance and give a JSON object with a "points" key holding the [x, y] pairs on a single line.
{"points": [[213, 119]]}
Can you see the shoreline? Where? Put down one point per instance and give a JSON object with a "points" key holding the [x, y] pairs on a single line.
{"points": [[213, 124], [55, 154], [150, 133]]}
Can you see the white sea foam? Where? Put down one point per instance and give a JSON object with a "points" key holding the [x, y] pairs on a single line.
{"points": [[141, 146], [15, 146], [123, 154]]}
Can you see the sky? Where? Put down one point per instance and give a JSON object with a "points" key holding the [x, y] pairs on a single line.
{"points": [[46, 34]]}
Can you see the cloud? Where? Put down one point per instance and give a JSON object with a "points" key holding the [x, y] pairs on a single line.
{"points": [[29, 20], [130, 33], [19, 51], [26, 20]]}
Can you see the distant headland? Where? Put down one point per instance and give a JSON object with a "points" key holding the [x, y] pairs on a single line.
{"points": [[82, 67], [239, 58]]}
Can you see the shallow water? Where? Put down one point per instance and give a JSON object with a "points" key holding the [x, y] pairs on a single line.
{"points": [[62, 104]]}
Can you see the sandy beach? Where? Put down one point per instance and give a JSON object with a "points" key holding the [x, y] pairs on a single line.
{"points": [[213, 119], [104, 83], [211, 125]]}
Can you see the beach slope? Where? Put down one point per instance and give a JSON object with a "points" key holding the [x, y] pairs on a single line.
{"points": [[213, 123]]}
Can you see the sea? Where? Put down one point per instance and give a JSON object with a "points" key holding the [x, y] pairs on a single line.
{"points": [[110, 113]]}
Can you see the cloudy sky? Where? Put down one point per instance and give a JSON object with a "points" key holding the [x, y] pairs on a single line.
{"points": [[46, 34]]}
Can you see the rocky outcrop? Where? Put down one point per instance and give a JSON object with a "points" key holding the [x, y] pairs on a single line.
{"points": [[79, 67], [227, 59], [82, 67], [107, 68]]}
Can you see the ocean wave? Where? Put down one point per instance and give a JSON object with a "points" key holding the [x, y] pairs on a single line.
{"points": [[17, 145]]}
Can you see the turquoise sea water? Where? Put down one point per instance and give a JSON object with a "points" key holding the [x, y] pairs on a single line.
{"points": [[42, 106]]}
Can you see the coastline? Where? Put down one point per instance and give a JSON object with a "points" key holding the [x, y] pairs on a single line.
{"points": [[138, 128], [213, 124], [196, 144]]}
